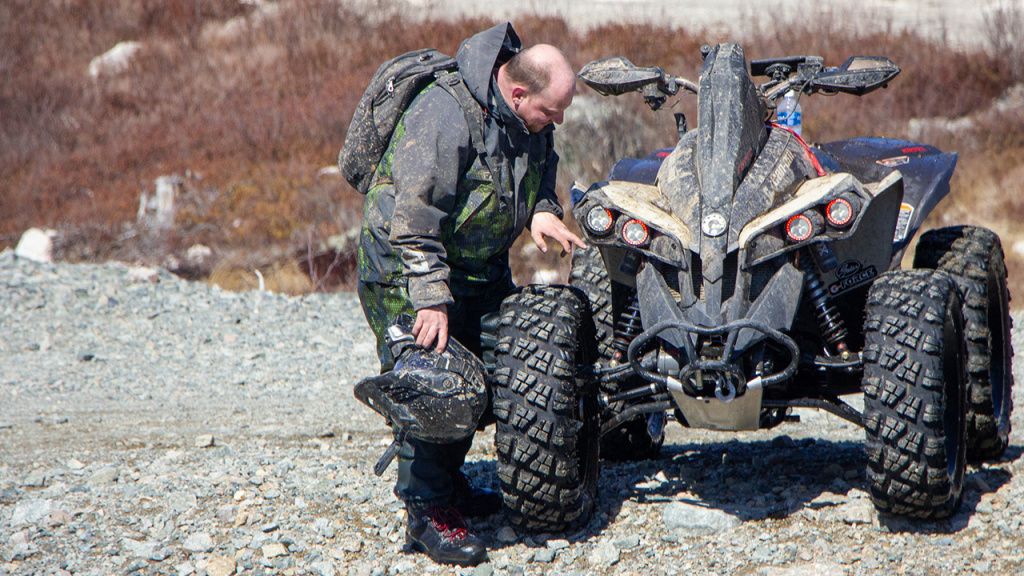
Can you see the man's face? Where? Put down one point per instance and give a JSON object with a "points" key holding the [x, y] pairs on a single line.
{"points": [[539, 110]]}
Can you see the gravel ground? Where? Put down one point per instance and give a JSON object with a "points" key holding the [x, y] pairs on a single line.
{"points": [[151, 425]]}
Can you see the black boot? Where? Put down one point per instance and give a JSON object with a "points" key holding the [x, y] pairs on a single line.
{"points": [[441, 532], [473, 502]]}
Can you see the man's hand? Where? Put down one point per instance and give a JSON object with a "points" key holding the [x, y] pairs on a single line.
{"points": [[547, 225], [431, 324]]}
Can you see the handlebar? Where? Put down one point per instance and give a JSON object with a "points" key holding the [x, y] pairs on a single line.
{"points": [[857, 75]]}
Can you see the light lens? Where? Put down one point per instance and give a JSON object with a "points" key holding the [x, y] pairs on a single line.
{"points": [[599, 220], [635, 233], [713, 224], [799, 228], [839, 212]]}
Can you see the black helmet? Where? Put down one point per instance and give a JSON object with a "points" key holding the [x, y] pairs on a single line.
{"points": [[436, 398]]}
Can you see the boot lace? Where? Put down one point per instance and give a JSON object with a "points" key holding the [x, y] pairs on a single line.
{"points": [[448, 521]]}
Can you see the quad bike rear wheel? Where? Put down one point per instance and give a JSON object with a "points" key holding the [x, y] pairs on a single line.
{"points": [[915, 387], [974, 257], [547, 433], [642, 437]]}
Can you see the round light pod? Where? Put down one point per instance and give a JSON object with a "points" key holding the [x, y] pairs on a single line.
{"points": [[803, 226], [635, 232], [713, 224], [599, 220], [841, 211]]}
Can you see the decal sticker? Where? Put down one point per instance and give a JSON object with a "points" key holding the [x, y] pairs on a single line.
{"points": [[903, 222], [852, 281], [849, 268], [894, 161], [782, 173], [914, 150]]}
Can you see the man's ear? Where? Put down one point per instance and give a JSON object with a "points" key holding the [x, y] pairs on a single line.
{"points": [[518, 93]]}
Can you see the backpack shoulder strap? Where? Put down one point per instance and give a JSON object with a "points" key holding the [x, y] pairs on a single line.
{"points": [[451, 82]]}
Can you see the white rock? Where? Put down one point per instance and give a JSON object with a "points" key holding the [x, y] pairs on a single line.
{"points": [[557, 544], [199, 542], [323, 568], [36, 244], [680, 515], [813, 569], [115, 60], [274, 549], [143, 274], [198, 253], [604, 554], [105, 475], [30, 512], [139, 549], [204, 441], [859, 511], [220, 566]]}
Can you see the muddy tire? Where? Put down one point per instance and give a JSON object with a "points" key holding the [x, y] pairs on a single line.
{"points": [[547, 434], [974, 257], [915, 386], [642, 437]]}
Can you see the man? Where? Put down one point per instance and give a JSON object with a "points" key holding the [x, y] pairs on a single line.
{"points": [[436, 235]]}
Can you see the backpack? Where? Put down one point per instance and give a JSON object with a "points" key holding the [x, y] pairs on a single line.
{"points": [[393, 87]]}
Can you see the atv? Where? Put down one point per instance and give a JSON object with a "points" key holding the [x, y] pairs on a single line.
{"points": [[744, 273]]}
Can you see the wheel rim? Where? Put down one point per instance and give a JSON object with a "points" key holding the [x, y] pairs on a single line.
{"points": [[954, 417]]}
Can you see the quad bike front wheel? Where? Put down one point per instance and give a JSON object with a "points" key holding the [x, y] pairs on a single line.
{"points": [[974, 257], [915, 394], [642, 437], [547, 433]]}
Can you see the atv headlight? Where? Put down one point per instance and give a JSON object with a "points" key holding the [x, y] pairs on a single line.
{"points": [[599, 220], [841, 211], [803, 226], [635, 232]]}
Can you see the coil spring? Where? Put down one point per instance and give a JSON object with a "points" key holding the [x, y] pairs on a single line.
{"points": [[627, 327], [833, 329]]}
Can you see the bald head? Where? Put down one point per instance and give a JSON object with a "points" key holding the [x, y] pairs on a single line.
{"points": [[539, 84]]}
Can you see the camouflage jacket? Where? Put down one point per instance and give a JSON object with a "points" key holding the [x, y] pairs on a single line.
{"points": [[434, 220]]}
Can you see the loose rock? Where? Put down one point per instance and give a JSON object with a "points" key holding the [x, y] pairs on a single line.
{"points": [[220, 566], [684, 516], [201, 542]]}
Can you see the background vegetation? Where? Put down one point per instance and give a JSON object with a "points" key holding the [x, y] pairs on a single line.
{"points": [[246, 102]]}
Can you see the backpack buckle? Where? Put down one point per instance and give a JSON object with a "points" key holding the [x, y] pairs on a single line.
{"points": [[450, 77]]}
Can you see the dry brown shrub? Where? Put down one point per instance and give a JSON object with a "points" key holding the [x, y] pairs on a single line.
{"points": [[248, 105]]}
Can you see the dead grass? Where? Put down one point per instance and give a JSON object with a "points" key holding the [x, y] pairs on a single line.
{"points": [[247, 105]]}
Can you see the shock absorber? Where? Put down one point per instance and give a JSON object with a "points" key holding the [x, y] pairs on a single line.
{"points": [[626, 328], [829, 321]]}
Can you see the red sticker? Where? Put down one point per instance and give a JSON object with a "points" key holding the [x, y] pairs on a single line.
{"points": [[913, 149]]}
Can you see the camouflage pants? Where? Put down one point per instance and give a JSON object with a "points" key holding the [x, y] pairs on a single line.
{"points": [[381, 305], [425, 470]]}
